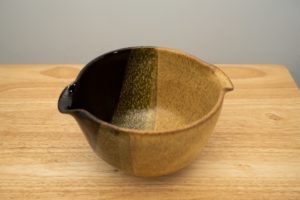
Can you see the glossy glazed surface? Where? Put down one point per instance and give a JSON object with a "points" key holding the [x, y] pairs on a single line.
{"points": [[147, 110]]}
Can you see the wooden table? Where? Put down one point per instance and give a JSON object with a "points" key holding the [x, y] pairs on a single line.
{"points": [[253, 154]]}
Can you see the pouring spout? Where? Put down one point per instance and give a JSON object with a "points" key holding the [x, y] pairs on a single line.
{"points": [[65, 99], [224, 80]]}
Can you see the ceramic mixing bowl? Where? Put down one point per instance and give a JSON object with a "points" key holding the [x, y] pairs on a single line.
{"points": [[146, 110]]}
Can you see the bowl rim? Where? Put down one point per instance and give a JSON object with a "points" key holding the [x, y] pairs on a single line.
{"points": [[132, 131]]}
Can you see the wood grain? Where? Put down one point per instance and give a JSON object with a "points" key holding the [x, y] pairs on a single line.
{"points": [[253, 154]]}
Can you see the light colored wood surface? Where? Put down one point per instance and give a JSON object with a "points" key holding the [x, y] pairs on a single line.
{"points": [[254, 152]]}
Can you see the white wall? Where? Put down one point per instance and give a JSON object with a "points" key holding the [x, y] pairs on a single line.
{"points": [[73, 31]]}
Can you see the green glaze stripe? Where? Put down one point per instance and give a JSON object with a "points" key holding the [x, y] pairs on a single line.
{"points": [[137, 103]]}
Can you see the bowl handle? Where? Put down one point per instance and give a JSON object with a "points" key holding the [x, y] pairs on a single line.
{"points": [[224, 80]]}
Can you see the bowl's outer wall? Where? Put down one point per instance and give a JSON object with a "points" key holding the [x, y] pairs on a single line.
{"points": [[147, 154], [171, 144]]}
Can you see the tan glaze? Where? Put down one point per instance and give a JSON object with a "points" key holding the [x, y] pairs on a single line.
{"points": [[169, 104]]}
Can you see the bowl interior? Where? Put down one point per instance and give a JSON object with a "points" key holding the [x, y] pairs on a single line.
{"points": [[147, 89]]}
